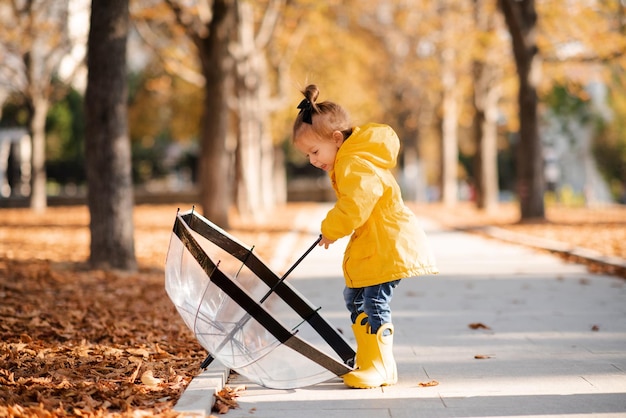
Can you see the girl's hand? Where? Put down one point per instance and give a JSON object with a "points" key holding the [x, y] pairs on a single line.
{"points": [[325, 242]]}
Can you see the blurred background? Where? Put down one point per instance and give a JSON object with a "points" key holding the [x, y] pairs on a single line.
{"points": [[446, 75]]}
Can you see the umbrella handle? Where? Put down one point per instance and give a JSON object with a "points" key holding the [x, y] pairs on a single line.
{"points": [[298, 261], [317, 241]]}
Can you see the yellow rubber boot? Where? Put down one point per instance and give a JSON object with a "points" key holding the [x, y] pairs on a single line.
{"points": [[377, 366], [359, 328]]}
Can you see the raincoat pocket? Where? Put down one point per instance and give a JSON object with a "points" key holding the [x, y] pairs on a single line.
{"points": [[361, 255]]}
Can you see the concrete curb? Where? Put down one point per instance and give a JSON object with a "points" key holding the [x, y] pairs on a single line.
{"points": [[616, 263], [195, 400]]}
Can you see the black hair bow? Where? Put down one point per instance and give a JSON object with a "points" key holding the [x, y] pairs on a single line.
{"points": [[306, 108]]}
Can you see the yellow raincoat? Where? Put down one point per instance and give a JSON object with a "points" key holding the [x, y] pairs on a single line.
{"points": [[387, 242]]}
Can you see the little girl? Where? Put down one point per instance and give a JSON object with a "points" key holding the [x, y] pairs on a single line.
{"points": [[386, 244]]}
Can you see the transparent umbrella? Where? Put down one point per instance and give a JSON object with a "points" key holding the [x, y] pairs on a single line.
{"points": [[244, 315]]}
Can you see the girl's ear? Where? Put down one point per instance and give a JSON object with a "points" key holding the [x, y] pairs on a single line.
{"points": [[338, 138]]}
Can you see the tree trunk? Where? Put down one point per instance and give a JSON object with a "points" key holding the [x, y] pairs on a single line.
{"points": [[214, 161], [38, 196], [108, 151], [412, 180], [255, 162], [41, 39], [279, 176], [486, 186], [486, 74], [449, 126], [521, 19], [486, 159]]}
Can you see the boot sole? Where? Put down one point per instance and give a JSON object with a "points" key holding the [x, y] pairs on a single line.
{"points": [[365, 385]]}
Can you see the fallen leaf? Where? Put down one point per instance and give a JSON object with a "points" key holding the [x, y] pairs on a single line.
{"points": [[428, 384], [139, 352], [225, 399], [148, 379], [478, 325], [482, 356]]}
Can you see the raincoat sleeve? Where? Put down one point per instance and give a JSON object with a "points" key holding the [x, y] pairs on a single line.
{"points": [[358, 189]]}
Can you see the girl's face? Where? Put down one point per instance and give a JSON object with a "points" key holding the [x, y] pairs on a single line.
{"points": [[321, 152]]}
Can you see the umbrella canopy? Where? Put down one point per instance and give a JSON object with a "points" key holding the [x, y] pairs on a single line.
{"points": [[244, 315]]}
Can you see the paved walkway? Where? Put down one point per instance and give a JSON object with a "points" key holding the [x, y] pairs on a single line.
{"points": [[555, 343]]}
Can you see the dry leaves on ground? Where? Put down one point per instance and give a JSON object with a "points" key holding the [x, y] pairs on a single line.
{"points": [[82, 342]]}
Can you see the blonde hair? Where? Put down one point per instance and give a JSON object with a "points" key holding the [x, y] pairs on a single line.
{"points": [[325, 117]]}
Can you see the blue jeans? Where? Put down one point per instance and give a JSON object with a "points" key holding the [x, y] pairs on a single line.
{"points": [[373, 300]]}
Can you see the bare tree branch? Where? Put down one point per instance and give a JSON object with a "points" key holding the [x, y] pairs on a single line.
{"points": [[192, 25], [268, 25], [172, 66]]}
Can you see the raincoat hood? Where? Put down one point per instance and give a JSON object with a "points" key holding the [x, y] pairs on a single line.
{"points": [[375, 143]]}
